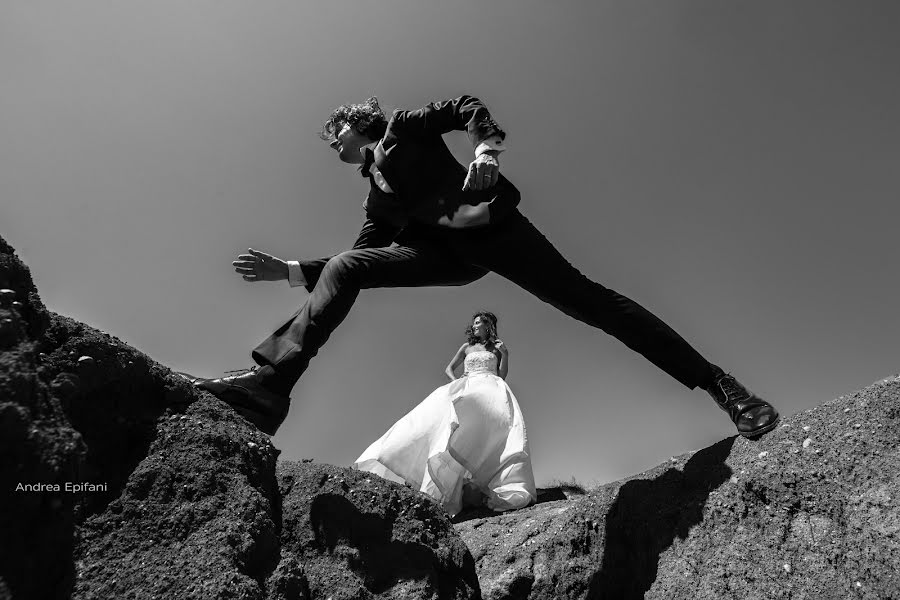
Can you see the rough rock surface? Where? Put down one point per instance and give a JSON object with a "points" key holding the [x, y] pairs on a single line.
{"points": [[36, 444], [196, 503], [359, 538], [808, 511]]}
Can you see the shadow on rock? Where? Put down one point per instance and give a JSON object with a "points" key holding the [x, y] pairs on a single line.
{"points": [[469, 513], [648, 515], [377, 559]]}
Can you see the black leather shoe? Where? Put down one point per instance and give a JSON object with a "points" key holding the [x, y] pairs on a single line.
{"points": [[752, 415], [265, 409]]}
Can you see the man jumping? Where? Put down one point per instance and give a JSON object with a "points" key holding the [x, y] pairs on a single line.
{"points": [[432, 222]]}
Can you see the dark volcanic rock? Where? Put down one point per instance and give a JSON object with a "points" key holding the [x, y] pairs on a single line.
{"points": [[358, 536], [195, 519], [191, 501], [37, 446], [16, 277], [809, 511], [186, 502]]}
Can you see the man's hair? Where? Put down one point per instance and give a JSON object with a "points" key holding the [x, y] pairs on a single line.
{"points": [[367, 118], [490, 319]]}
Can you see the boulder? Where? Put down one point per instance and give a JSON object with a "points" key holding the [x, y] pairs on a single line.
{"points": [[808, 511], [148, 488], [359, 536]]}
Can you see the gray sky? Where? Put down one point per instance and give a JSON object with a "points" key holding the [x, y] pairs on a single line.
{"points": [[731, 166]]}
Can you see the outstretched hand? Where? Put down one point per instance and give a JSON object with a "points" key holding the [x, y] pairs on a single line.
{"points": [[259, 266], [483, 172]]}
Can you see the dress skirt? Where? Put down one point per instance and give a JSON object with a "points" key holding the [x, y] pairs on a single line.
{"points": [[470, 430]]}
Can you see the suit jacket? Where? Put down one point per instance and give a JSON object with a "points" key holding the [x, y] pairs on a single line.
{"points": [[427, 180]]}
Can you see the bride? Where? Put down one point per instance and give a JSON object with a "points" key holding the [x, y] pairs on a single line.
{"points": [[465, 444]]}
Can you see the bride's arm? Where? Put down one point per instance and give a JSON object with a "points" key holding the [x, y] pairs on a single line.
{"points": [[456, 361], [503, 366]]}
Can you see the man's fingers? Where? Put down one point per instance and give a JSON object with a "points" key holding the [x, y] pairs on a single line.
{"points": [[469, 183], [482, 175], [247, 264], [245, 270], [479, 176], [250, 277], [259, 254], [491, 174], [248, 257], [488, 173]]}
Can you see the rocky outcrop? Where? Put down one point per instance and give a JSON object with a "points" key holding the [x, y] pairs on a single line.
{"points": [[36, 445], [354, 534], [181, 497], [190, 501], [809, 511]]}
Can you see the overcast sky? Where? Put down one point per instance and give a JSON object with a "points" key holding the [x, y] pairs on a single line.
{"points": [[732, 166]]}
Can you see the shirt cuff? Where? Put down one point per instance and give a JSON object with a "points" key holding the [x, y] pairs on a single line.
{"points": [[492, 143], [295, 274]]}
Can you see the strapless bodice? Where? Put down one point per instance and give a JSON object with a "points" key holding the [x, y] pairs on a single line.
{"points": [[480, 361]]}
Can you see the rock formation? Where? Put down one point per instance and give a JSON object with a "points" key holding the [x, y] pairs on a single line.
{"points": [[194, 502], [190, 501], [809, 511]]}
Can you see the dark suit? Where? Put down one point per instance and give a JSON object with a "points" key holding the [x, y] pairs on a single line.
{"points": [[427, 183]]}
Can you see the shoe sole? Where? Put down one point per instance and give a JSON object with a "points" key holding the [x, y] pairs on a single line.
{"points": [[265, 422], [262, 421], [757, 433]]}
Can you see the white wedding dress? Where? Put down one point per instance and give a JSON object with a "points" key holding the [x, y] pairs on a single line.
{"points": [[470, 430]]}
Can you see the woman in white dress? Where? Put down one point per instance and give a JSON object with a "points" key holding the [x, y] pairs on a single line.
{"points": [[465, 444]]}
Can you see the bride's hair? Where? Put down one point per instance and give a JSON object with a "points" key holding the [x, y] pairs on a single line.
{"points": [[490, 320]]}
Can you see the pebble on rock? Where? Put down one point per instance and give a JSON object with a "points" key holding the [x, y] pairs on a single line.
{"points": [[807, 442], [86, 361], [7, 295]]}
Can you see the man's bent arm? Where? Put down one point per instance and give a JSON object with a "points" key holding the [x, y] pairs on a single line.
{"points": [[465, 113], [374, 234]]}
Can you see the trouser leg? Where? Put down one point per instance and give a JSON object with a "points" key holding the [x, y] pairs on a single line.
{"points": [[519, 252], [290, 348]]}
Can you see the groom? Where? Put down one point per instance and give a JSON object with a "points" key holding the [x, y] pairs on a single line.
{"points": [[430, 221]]}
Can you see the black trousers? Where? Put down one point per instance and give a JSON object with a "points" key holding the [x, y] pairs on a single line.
{"points": [[514, 249]]}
